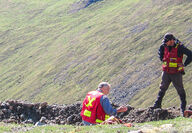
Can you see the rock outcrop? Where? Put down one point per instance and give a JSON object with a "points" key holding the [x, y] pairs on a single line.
{"points": [[13, 111]]}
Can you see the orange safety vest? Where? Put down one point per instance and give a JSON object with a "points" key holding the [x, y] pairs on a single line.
{"points": [[92, 111], [171, 62]]}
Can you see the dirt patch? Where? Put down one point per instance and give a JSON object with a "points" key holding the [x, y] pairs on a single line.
{"points": [[41, 113], [146, 115]]}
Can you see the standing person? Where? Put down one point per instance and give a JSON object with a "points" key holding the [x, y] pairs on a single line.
{"points": [[96, 106], [171, 54]]}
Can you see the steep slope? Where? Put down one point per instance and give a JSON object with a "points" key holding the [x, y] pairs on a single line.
{"points": [[56, 51]]}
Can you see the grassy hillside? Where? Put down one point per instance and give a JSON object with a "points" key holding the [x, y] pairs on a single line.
{"points": [[56, 50]]}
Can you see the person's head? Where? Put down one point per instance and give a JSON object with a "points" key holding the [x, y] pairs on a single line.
{"points": [[104, 87], [169, 39]]}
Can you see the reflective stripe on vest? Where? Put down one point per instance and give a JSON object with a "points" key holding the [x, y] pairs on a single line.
{"points": [[171, 64], [90, 101], [87, 113], [100, 121], [107, 117]]}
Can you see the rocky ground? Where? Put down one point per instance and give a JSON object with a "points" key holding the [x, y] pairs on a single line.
{"points": [[41, 113]]}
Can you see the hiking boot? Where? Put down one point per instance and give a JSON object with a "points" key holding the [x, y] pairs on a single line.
{"points": [[182, 112]]}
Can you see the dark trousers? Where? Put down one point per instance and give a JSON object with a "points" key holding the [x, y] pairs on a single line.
{"points": [[177, 80]]}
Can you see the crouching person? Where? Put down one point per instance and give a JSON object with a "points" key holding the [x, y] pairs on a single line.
{"points": [[96, 106]]}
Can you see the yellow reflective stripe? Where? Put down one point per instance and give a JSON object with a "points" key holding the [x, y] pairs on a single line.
{"points": [[165, 63], [171, 64], [107, 117], [90, 101], [180, 68], [98, 121], [177, 45], [87, 113]]}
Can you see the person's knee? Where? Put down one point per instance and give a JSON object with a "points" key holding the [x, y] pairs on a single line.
{"points": [[162, 90], [163, 87]]}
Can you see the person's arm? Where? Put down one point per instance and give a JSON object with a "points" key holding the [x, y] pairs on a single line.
{"points": [[188, 53], [161, 52], [107, 106]]}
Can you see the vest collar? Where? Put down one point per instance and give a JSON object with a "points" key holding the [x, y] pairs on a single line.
{"points": [[99, 90]]}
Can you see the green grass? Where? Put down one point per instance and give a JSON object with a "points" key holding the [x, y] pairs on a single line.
{"points": [[179, 124], [49, 54]]}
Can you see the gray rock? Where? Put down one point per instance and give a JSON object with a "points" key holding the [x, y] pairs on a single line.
{"points": [[23, 117], [19, 109], [39, 124], [43, 105], [62, 122], [43, 119], [1, 113], [29, 121], [5, 111], [70, 119]]}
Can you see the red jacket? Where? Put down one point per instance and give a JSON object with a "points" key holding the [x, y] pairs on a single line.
{"points": [[171, 62], [92, 111]]}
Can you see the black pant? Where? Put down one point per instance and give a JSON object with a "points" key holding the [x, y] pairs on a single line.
{"points": [[177, 81]]}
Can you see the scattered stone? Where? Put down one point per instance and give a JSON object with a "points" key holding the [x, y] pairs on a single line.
{"points": [[43, 119], [30, 121], [70, 119], [22, 117], [166, 126], [42, 113], [39, 124]]}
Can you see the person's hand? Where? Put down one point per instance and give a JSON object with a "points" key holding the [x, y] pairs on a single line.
{"points": [[181, 68], [181, 65], [122, 109]]}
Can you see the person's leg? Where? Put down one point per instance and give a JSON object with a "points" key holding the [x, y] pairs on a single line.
{"points": [[165, 82], [177, 80]]}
